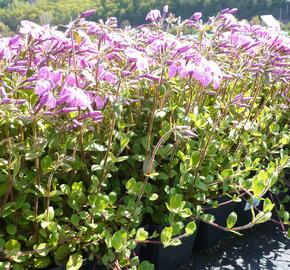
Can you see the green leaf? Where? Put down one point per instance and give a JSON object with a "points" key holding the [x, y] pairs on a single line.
{"points": [[20, 201], [5, 265], [268, 205], [61, 252], [124, 142], [263, 175], [53, 239], [49, 213], [75, 261], [145, 265], [18, 266], [65, 188], [3, 162], [174, 242], [288, 233], [121, 159], [207, 217], [160, 114], [190, 228], [198, 183], [163, 176], [40, 263], [194, 158], [231, 220], [141, 234], [262, 217], [140, 158], [75, 219], [96, 147], [42, 249], [184, 213], [227, 173], [105, 259], [153, 197], [2, 243], [11, 229], [258, 186], [12, 244], [112, 197], [46, 164], [118, 239], [3, 188], [166, 235], [175, 201], [96, 167]]}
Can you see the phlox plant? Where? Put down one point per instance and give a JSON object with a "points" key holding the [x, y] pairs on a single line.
{"points": [[104, 130]]}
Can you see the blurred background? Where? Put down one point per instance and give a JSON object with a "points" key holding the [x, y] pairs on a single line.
{"points": [[132, 12]]}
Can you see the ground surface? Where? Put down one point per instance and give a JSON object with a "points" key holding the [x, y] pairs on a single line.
{"points": [[264, 247]]}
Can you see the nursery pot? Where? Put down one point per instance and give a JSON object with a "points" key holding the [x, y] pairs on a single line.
{"points": [[87, 265], [169, 258], [208, 235]]}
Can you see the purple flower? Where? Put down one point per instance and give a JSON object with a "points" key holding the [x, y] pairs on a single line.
{"points": [[153, 15], [142, 62], [31, 28], [44, 72], [149, 76], [88, 13], [56, 77], [47, 99], [42, 86], [176, 68], [106, 75], [165, 9], [196, 16], [206, 72], [100, 102], [20, 101], [3, 93], [74, 96]]}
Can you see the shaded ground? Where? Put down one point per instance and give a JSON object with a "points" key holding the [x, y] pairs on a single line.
{"points": [[264, 247]]}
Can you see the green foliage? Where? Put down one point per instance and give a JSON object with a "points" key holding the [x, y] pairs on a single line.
{"points": [[231, 220]]}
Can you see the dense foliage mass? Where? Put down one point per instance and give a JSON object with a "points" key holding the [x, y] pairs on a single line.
{"points": [[132, 12], [104, 129]]}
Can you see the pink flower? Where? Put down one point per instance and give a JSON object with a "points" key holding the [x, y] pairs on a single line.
{"points": [[165, 9], [42, 86], [44, 72], [176, 68], [142, 62], [153, 15], [31, 28], [73, 80], [47, 99], [204, 71], [196, 16], [74, 96], [106, 75], [3, 93], [88, 13], [56, 77]]}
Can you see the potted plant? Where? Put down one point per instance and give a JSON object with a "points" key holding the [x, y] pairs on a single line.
{"points": [[109, 134]]}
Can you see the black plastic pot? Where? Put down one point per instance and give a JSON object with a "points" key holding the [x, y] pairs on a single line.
{"points": [[169, 258], [208, 236], [87, 265], [244, 213]]}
